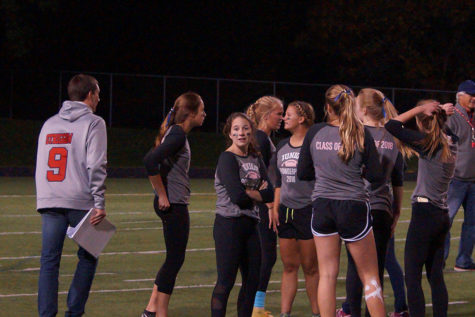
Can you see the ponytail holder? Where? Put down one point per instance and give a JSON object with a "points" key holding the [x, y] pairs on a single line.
{"points": [[346, 92], [169, 116], [382, 102]]}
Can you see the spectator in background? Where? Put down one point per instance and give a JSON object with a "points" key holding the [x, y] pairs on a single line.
{"points": [[462, 186]]}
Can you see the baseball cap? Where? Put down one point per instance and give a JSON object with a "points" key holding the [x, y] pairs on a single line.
{"points": [[468, 87]]}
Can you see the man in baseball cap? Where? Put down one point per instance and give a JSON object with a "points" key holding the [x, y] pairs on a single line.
{"points": [[462, 187]]}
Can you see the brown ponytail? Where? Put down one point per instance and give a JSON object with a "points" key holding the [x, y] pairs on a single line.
{"points": [[186, 104], [435, 138]]}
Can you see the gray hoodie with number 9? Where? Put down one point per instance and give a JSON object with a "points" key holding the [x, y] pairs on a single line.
{"points": [[71, 159]]}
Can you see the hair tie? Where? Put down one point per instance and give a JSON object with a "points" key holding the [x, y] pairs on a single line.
{"points": [[382, 103], [345, 91], [169, 116]]}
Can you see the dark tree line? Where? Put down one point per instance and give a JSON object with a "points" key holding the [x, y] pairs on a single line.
{"points": [[426, 44]]}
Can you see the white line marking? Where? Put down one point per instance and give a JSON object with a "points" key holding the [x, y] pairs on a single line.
{"points": [[120, 229], [33, 214], [29, 269], [36, 214], [102, 254], [100, 273], [408, 220]]}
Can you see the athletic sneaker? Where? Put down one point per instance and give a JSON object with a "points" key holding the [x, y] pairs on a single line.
{"points": [[470, 267], [401, 314], [284, 315], [148, 314], [341, 313]]}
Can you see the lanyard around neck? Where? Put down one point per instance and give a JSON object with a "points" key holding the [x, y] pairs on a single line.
{"points": [[465, 117]]}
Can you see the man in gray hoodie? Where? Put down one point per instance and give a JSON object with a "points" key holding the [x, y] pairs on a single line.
{"points": [[70, 175]]}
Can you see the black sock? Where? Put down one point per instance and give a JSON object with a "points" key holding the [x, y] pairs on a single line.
{"points": [[149, 313]]}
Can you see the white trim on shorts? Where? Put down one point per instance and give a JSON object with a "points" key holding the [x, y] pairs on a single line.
{"points": [[317, 234], [362, 234], [358, 237]]}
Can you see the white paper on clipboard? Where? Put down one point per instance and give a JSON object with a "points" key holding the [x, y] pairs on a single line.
{"points": [[93, 238]]}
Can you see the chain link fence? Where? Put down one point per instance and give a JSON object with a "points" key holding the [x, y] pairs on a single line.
{"points": [[142, 101]]}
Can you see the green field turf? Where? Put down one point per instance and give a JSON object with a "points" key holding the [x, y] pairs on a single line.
{"points": [[126, 270]]}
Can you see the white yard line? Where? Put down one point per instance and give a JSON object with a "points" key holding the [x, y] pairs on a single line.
{"points": [[11, 233], [177, 287], [111, 214], [104, 254]]}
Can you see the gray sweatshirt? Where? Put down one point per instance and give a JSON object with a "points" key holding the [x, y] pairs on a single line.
{"points": [[335, 179], [234, 174], [465, 163], [71, 159], [294, 193]]}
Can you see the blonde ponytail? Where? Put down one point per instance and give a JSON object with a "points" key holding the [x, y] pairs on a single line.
{"points": [[351, 129], [342, 100], [380, 108], [263, 107]]}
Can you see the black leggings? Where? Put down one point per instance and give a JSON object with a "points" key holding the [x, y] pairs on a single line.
{"points": [[237, 247], [425, 246], [268, 248], [382, 221], [176, 229]]}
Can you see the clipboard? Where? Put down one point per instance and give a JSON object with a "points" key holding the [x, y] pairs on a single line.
{"points": [[93, 238]]}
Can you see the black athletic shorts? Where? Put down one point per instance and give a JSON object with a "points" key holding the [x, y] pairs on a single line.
{"points": [[295, 223], [348, 218]]}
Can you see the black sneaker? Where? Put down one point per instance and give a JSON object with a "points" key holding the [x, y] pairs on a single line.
{"points": [[147, 313], [470, 267]]}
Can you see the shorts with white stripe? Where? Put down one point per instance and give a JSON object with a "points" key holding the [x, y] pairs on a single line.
{"points": [[348, 218]]}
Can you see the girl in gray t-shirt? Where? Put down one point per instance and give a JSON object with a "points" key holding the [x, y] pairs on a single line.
{"points": [[374, 110], [167, 166], [292, 210], [241, 181], [435, 144], [335, 153]]}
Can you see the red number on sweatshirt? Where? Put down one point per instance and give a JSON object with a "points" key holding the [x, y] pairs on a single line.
{"points": [[58, 159]]}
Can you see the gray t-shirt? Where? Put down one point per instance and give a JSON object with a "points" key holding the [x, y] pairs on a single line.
{"points": [[392, 165], [233, 175], [433, 175], [171, 159], [335, 179], [294, 193], [465, 162]]}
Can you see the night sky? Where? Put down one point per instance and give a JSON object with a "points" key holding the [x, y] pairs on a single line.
{"points": [[427, 44]]}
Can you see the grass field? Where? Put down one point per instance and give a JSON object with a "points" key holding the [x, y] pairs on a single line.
{"points": [[128, 266]]}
